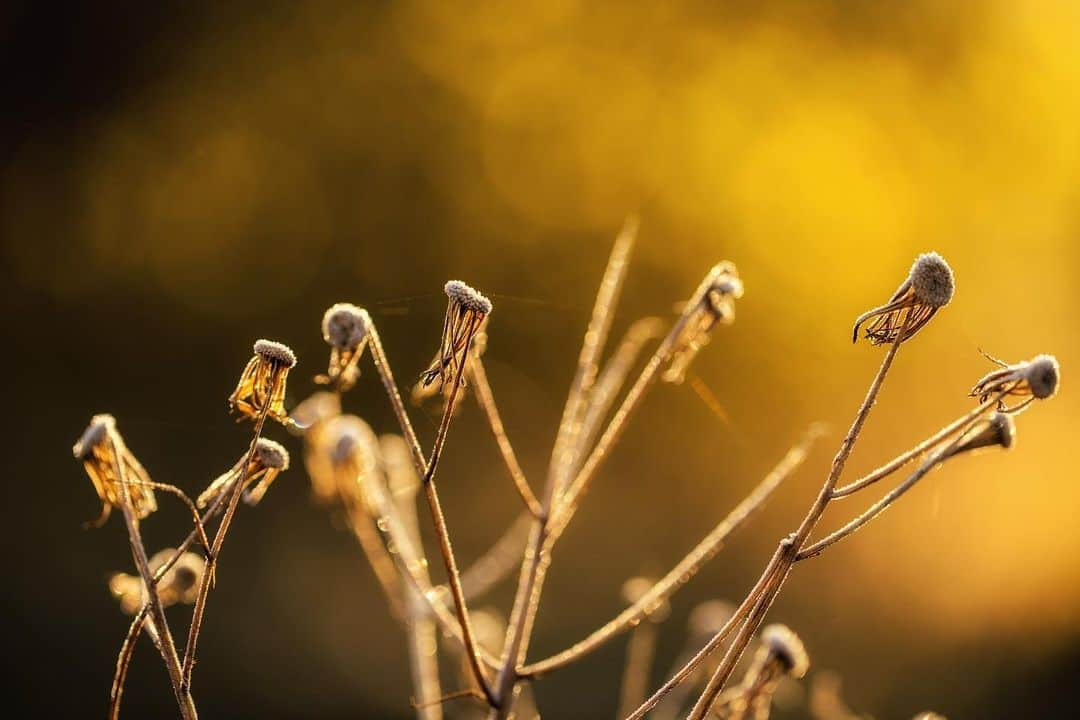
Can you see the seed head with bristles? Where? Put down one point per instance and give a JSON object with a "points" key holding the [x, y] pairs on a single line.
{"points": [[928, 288], [998, 430], [345, 329], [712, 304], [465, 312], [269, 460], [1033, 379], [262, 383], [787, 648]]}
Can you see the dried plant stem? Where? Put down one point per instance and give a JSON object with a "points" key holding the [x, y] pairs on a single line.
{"points": [[219, 540], [123, 662], [954, 428], [794, 544], [486, 400], [443, 535], [499, 560], [157, 612], [716, 641], [381, 563], [686, 568], [382, 366], [639, 659]]}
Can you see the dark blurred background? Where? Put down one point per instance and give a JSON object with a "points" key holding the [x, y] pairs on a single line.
{"points": [[177, 180]]}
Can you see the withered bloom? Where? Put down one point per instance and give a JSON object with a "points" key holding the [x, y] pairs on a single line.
{"points": [[262, 384], [310, 413], [179, 584], [712, 304], [269, 461], [1032, 379], [928, 288], [345, 330], [340, 458], [421, 393], [97, 448], [781, 655], [998, 430], [465, 310]]}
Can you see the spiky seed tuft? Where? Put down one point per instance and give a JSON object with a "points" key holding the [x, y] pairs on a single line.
{"points": [[1042, 375], [271, 454], [786, 646], [932, 280], [468, 297], [344, 325], [275, 352], [94, 435]]}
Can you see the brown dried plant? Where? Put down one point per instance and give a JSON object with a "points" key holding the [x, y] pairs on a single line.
{"points": [[375, 481]]}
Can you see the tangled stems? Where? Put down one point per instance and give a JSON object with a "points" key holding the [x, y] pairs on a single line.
{"points": [[166, 645]]}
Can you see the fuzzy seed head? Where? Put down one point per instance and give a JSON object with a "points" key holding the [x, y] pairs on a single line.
{"points": [[786, 646], [344, 325], [94, 435], [1004, 429], [467, 297], [1041, 374], [270, 454], [275, 352], [931, 280]]}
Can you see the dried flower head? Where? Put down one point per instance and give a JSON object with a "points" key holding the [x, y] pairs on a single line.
{"points": [[107, 459], [179, 584], [998, 430], [928, 288], [465, 311], [785, 647], [262, 384], [269, 460], [345, 330], [712, 304], [314, 410], [1032, 379], [341, 458], [635, 589]]}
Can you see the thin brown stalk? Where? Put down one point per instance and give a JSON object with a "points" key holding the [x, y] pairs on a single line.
{"points": [[798, 539], [381, 563], [382, 366], [443, 535], [639, 659], [486, 399], [499, 560], [716, 641], [954, 428], [157, 611], [686, 568], [200, 531], [219, 540], [123, 662]]}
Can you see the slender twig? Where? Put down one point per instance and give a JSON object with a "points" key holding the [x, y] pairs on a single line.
{"points": [[470, 693], [219, 540], [443, 535], [716, 641], [382, 366], [486, 400], [157, 612], [817, 509], [172, 489], [123, 662], [686, 568], [639, 659], [954, 428], [536, 560], [381, 563]]}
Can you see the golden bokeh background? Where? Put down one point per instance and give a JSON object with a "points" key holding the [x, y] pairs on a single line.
{"points": [[175, 185]]}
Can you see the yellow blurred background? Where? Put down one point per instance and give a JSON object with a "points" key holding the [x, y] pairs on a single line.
{"points": [[175, 185]]}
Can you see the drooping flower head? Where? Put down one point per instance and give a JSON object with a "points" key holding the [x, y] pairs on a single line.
{"points": [[179, 584], [341, 458], [1035, 379], [928, 288], [712, 304], [106, 458], [269, 460], [465, 311], [783, 646], [998, 430], [262, 384], [781, 655], [345, 330]]}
